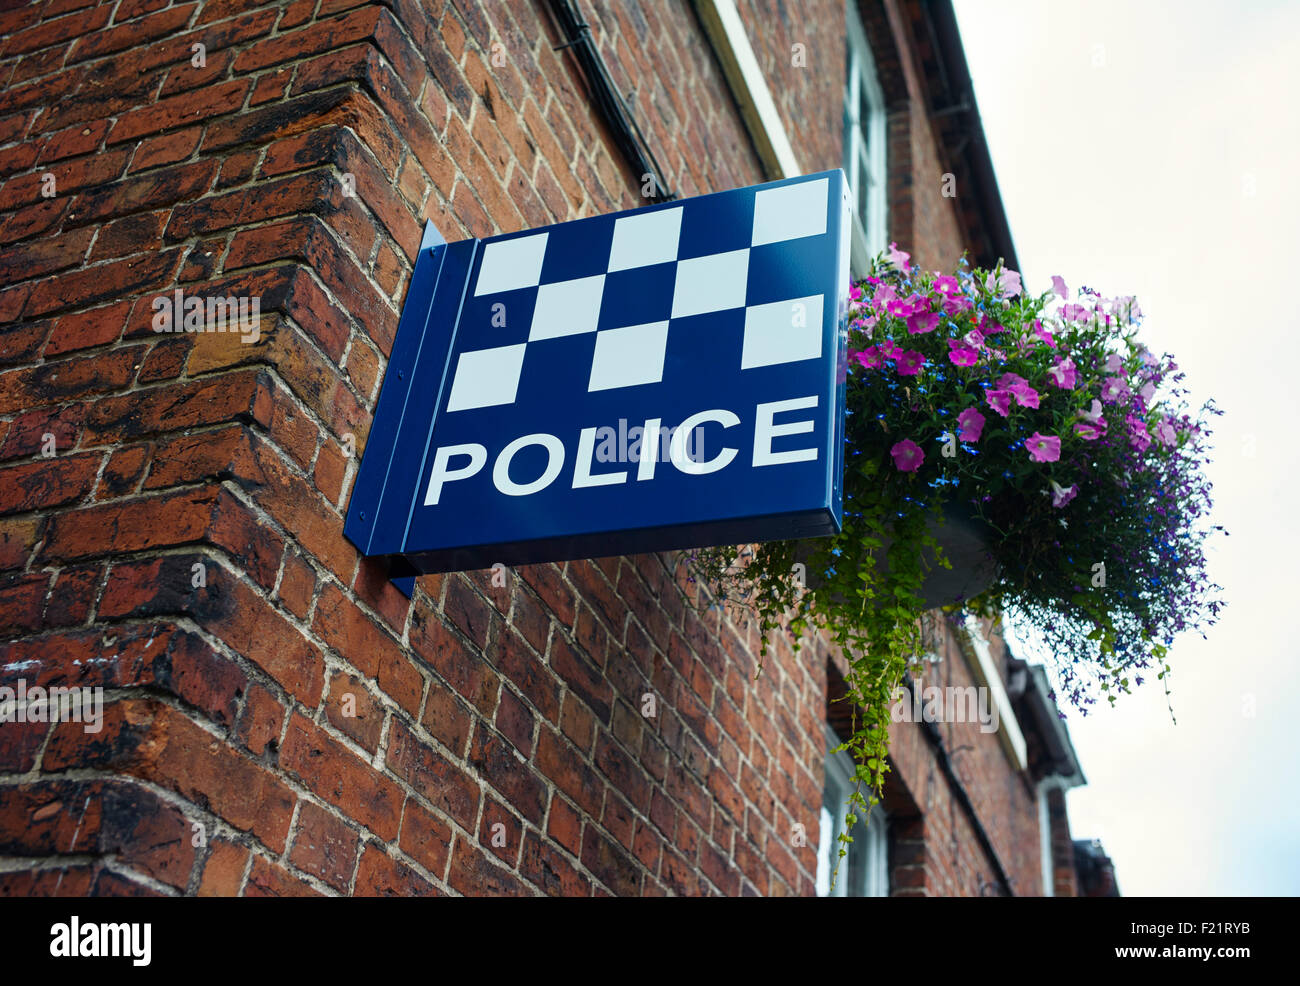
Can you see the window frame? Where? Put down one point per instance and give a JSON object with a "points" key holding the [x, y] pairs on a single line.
{"points": [[864, 872], [862, 84]]}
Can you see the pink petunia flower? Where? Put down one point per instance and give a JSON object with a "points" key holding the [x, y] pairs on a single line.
{"points": [[855, 294], [907, 456], [890, 349], [884, 295], [954, 305], [1011, 381], [869, 358], [988, 326], [1114, 390], [1044, 334], [1063, 495], [999, 400], [961, 354], [1114, 363], [1137, 433], [1026, 396], [1043, 448], [947, 284], [1165, 433], [910, 363], [1007, 285], [1064, 373], [974, 338], [1090, 431], [1058, 285], [1093, 415], [970, 425], [919, 323], [1074, 312], [897, 257]]}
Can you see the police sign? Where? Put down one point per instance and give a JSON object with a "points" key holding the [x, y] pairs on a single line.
{"points": [[667, 377]]}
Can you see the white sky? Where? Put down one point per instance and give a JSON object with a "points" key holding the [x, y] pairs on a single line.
{"points": [[1152, 149]]}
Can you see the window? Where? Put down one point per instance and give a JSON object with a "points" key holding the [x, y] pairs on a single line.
{"points": [[864, 872], [864, 140]]}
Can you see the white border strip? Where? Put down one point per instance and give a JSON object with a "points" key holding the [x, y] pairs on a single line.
{"points": [[727, 35], [1013, 740]]}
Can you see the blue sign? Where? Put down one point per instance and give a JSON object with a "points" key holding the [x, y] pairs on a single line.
{"points": [[667, 377]]}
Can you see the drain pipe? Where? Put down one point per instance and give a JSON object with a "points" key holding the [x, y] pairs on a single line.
{"points": [[609, 102], [935, 738]]}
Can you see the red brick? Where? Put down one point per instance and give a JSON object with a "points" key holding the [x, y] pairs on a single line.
{"points": [[374, 587], [165, 149], [507, 771], [352, 710], [500, 832], [72, 595], [267, 879], [323, 36], [337, 775], [49, 383], [343, 626], [223, 872], [474, 875], [103, 282], [176, 110], [610, 863], [87, 329], [261, 721], [459, 666], [30, 433], [162, 745], [380, 875], [48, 483], [297, 584], [324, 846], [17, 538], [550, 870], [123, 472], [426, 838], [57, 30], [330, 466]]}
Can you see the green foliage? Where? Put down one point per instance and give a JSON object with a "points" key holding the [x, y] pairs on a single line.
{"points": [[1084, 465]]}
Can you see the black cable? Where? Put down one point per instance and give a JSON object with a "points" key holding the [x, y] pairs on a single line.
{"points": [[935, 738], [609, 103]]}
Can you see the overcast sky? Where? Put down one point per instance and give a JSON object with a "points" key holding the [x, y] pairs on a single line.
{"points": [[1153, 149]]}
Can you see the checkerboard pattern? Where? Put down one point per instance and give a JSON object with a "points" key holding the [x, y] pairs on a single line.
{"points": [[642, 245]]}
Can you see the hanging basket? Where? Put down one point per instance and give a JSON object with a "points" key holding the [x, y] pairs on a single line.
{"points": [[964, 540]]}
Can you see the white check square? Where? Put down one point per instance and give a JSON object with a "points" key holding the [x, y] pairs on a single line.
{"points": [[711, 284], [486, 378], [567, 308], [645, 238], [782, 332], [629, 356], [790, 212], [511, 264]]}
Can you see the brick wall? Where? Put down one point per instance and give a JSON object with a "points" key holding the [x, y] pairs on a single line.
{"points": [[939, 853], [806, 83], [280, 719]]}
